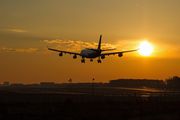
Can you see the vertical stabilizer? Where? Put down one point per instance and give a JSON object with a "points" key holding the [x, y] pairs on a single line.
{"points": [[99, 46]]}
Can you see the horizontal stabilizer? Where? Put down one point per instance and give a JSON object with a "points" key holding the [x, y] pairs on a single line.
{"points": [[108, 49]]}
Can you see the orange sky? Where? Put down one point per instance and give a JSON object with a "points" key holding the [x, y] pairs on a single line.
{"points": [[27, 27]]}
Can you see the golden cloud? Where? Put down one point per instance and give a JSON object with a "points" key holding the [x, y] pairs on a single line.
{"points": [[17, 30], [58, 41], [5, 49], [78, 45]]}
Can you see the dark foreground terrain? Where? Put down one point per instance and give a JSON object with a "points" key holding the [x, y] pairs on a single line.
{"points": [[109, 110], [25, 105]]}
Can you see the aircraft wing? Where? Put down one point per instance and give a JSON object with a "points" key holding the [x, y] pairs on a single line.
{"points": [[64, 51], [113, 53]]}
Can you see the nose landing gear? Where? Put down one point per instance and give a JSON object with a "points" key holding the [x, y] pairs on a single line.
{"points": [[91, 60], [83, 60]]}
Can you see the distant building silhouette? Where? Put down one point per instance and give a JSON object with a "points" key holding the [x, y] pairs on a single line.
{"points": [[16, 85], [6, 84], [136, 83], [47, 83], [173, 82]]}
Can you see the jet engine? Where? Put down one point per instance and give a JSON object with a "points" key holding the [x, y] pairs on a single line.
{"points": [[120, 54], [74, 56], [60, 54], [102, 57]]}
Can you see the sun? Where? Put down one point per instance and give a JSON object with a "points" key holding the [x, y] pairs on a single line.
{"points": [[145, 48]]}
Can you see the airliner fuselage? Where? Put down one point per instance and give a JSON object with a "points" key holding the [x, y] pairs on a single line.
{"points": [[90, 53]]}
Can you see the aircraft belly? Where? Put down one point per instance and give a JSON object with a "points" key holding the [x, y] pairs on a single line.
{"points": [[92, 55]]}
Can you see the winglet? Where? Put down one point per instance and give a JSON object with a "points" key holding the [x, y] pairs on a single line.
{"points": [[48, 48]]}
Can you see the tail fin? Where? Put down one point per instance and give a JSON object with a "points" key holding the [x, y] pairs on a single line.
{"points": [[99, 46]]}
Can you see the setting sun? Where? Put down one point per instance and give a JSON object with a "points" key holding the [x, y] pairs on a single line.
{"points": [[145, 49]]}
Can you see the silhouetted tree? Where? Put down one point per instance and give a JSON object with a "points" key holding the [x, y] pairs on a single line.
{"points": [[173, 82]]}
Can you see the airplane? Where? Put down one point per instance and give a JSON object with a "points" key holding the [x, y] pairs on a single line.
{"points": [[92, 53]]}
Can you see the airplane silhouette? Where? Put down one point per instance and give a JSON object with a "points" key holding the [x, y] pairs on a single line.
{"points": [[92, 53]]}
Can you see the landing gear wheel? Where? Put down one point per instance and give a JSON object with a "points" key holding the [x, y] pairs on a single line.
{"points": [[83, 61], [99, 61], [91, 60]]}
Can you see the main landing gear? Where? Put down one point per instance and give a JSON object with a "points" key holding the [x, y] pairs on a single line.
{"points": [[83, 60], [99, 61], [91, 60]]}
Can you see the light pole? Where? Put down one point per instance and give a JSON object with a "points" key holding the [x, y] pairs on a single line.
{"points": [[93, 86], [70, 80]]}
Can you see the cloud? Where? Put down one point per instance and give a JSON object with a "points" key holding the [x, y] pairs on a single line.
{"points": [[58, 41], [71, 45], [17, 30], [5, 49]]}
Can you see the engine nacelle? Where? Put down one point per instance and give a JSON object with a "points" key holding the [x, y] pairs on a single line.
{"points": [[60, 54], [120, 54], [75, 56], [102, 57]]}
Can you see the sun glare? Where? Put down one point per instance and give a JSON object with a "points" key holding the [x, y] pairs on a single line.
{"points": [[145, 48]]}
